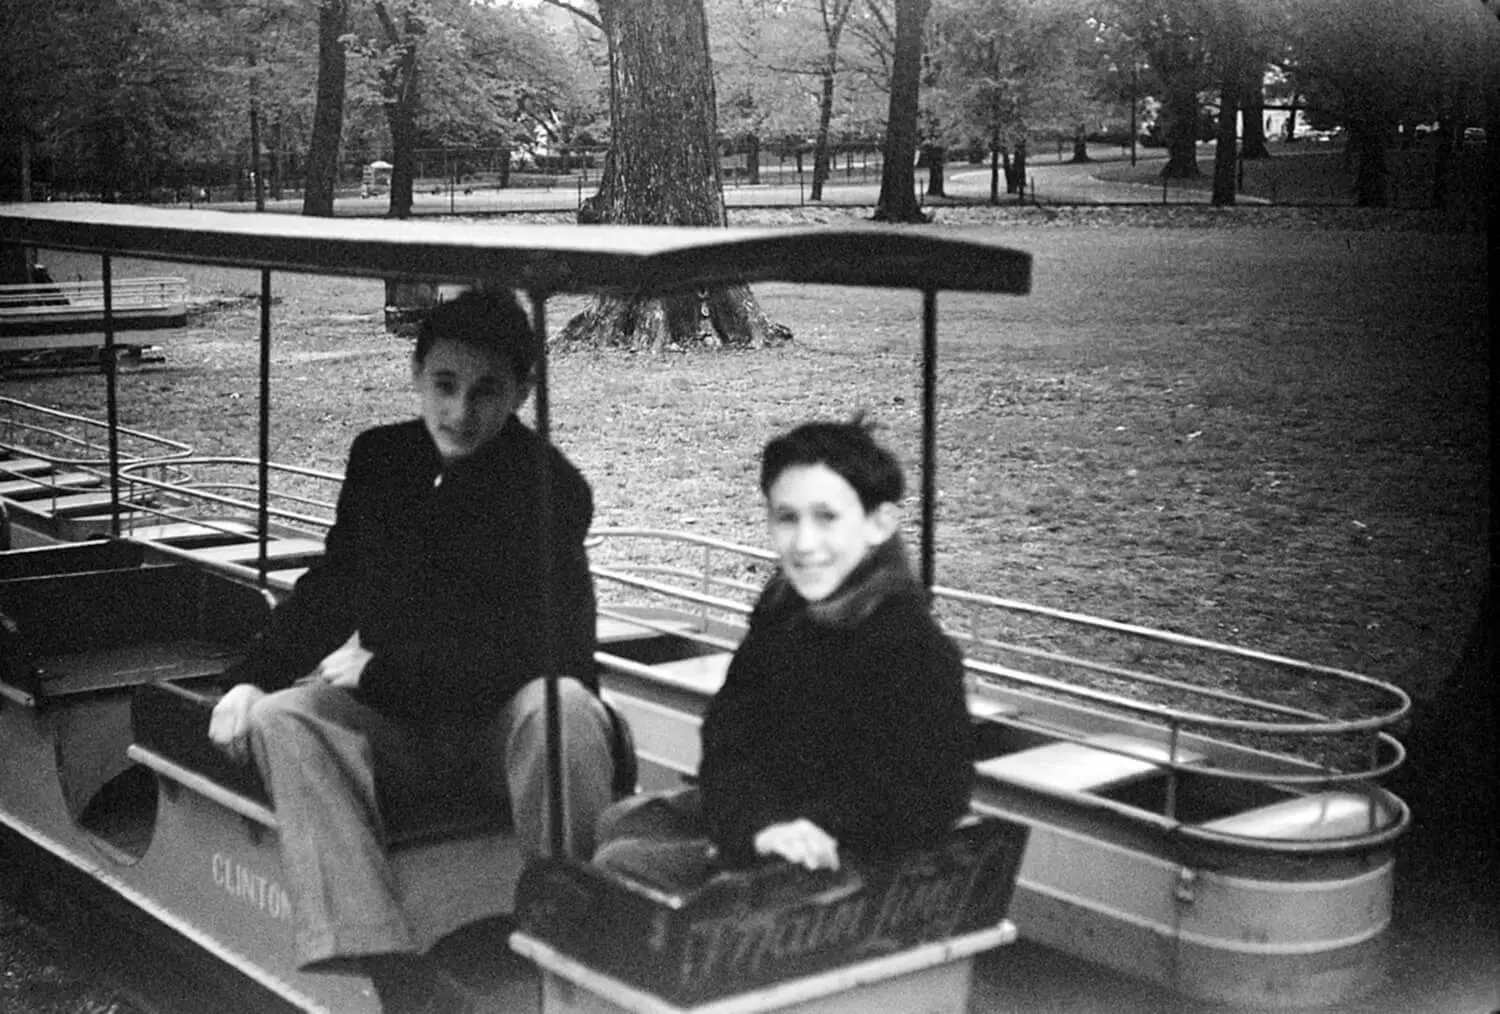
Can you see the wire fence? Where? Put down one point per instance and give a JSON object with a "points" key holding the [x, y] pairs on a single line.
{"points": [[497, 182]]}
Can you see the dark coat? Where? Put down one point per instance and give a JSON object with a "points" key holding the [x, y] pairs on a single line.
{"points": [[850, 713], [440, 572]]}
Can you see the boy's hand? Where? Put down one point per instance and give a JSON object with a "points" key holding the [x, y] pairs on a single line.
{"points": [[799, 841], [229, 727], [343, 666]]}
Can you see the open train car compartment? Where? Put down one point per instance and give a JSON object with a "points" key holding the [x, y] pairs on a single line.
{"points": [[1167, 840]]}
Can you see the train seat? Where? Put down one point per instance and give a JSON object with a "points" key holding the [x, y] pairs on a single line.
{"points": [[619, 629], [42, 486], [703, 673], [72, 505], [744, 930], [95, 630], [982, 709], [1097, 764], [25, 466], [182, 533], [1317, 816], [247, 553], [170, 722]]}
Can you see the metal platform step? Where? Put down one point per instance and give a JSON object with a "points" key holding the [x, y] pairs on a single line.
{"points": [[1095, 765]]}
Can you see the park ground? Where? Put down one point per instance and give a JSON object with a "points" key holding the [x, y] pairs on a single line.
{"points": [[1268, 426]]}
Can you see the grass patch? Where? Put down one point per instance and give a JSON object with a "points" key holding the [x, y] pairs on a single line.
{"points": [[1266, 429]]}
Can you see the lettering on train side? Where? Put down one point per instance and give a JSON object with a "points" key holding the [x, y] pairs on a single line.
{"points": [[750, 945], [251, 888]]}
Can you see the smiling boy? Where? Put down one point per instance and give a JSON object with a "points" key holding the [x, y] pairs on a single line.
{"points": [[408, 663]]}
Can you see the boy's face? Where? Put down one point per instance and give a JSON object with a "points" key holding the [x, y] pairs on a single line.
{"points": [[467, 396], [820, 529]]}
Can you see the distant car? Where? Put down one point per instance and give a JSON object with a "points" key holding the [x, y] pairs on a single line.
{"points": [[1474, 135]]}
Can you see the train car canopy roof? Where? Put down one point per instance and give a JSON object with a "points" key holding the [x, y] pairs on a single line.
{"points": [[538, 258]]}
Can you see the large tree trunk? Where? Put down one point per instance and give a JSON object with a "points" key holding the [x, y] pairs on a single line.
{"points": [[328, 114], [1366, 146], [1225, 147], [821, 169], [995, 166], [1181, 114], [936, 157], [663, 169], [898, 198], [400, 115], [752, 159], [1081, 144], [398, 82], [1253, 104]]}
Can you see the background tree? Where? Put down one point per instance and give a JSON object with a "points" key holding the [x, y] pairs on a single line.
{"points": [[328, 118], [1375, 65], [831, 15], [897, 201], [1170, 36], [663, 169], [1007, 66]]}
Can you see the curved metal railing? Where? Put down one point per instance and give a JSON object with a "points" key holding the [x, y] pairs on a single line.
{"points": [[705, 578]]}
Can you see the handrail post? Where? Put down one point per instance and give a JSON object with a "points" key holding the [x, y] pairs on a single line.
{"points": [[111, 395], [556, 806], [1173, 731], [929, 436], [704, 584], [263, 513]]}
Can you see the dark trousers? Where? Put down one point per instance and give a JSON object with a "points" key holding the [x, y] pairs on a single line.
{"points": [[659, 838]]}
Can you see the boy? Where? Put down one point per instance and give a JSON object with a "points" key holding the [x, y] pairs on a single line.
{"points": [[409, 661]]}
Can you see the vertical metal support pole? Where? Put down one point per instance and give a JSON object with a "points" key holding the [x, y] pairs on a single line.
{"points": [[111, 394], [929, 435], [705, 586], [263, 511], [556, 804], [1172, 736]]}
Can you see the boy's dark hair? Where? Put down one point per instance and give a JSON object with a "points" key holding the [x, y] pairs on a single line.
{"points": [[489, 319], [849, 449]]}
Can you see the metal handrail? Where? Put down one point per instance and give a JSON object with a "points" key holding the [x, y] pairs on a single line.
{"points": [[127, 295], [1294, 722], [174, 449], [205, 491]]}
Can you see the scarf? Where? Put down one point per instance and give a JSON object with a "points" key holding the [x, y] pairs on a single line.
{"points": [[884, 573]]}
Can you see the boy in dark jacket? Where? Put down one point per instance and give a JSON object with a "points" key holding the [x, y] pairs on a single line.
{"points": [[408, 663], [842, 724]]}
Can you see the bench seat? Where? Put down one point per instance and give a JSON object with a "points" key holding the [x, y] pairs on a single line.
{"points": [[984, 710], [703, 673], [42, 484], [612, 630], [1095, 765], [25, 466], [247, 553], [1315, 817], [171, 722], [71, 505], [188, 531]]}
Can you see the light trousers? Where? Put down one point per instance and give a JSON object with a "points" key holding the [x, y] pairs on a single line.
{"points": [[340, 773]]}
